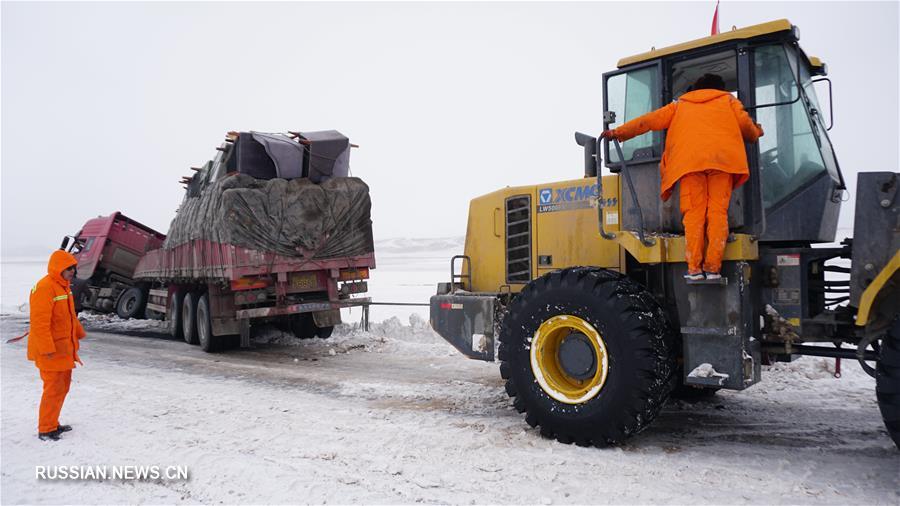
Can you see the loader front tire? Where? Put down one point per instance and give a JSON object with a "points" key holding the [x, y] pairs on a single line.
{"points": [[588, 355], [887, 381]]}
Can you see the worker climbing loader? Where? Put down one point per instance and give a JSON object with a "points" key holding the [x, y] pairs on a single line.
{"points": [[576, 286]]}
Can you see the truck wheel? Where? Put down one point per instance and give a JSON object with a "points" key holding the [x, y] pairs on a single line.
{"points": [[174, 315], [324, 332], [887, 381], [208, 341], [131, 304], [303, 326], [81, 293], [189, 318], [588, 356]]}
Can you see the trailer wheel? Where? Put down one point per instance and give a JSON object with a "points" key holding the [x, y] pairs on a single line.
{"points": [[887, 381], [208, 341], [189, 318], [303, 326], [588, 356], [131, 303], [174, 314]]}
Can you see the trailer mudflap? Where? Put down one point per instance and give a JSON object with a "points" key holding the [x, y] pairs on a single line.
{"points": [[466, 322]]}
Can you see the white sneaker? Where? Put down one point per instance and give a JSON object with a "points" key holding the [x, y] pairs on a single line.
{"points": [[693, 277], [713, 275]]}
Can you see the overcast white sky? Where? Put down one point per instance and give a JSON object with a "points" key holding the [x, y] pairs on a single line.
{"points": [[106, 105]]}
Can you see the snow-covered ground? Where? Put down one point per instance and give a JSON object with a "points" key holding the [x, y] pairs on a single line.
{"points": [[395, 415]]}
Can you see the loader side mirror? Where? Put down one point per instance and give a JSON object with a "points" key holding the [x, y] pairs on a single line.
{"points": [[592, 158], [830, 101]]}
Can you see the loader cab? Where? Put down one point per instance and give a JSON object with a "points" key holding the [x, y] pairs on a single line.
{"points": [[793, 170]]}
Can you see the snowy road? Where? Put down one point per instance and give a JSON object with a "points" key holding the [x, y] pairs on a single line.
{"points": [[396, 416]]}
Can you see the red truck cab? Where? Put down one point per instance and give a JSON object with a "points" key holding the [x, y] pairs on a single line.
{"points": [[108, 248]]}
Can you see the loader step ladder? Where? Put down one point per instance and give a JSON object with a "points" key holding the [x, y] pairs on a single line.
{"points": [[454, 277], [723, 281]]}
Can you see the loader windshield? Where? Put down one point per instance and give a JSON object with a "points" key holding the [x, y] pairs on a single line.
{"points": [[795, 149]]}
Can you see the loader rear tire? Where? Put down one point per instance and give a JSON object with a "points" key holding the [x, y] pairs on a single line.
{"points": [[887, 381], [588, 356], [189, 318]]}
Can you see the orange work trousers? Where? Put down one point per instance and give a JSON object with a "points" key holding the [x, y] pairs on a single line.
{"points": [[704, 206], [56, 386]]}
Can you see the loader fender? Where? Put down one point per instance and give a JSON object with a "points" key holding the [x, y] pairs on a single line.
{"points": [[885, 283], [467, 322]]}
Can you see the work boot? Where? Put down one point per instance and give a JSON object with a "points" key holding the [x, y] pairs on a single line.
{"points": [[693, 277], [63, 428], [53, 435], [713, 275]]}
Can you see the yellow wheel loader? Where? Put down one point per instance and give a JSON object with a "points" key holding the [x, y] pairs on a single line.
{"points": [[576, 286]]}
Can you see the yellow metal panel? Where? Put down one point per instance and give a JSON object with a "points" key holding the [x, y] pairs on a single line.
{"points": [[744, 33], [872, 292], [567, 228], [484, 242], [563, 226], [670, 249]]}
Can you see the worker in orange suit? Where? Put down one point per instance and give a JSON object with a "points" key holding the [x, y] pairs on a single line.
{"points": [[705, 151], [53, 340]]}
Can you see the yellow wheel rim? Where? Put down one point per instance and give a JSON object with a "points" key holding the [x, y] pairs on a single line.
{"points": [[547, 366]]}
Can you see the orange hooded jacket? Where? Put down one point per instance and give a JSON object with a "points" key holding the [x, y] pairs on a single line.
{"points": [[55, 329], [707, 130]]}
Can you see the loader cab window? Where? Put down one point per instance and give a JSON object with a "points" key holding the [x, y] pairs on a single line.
{"points": [[686, 72], [629, 95], [789, 154]]}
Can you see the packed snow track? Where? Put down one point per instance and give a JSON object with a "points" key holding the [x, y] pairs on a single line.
{"points": [[395, 415]]}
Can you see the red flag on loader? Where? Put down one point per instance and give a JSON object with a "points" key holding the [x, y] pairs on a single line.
{"points": [[715, 23]]}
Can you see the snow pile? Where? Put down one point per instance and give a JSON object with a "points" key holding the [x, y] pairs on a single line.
{"points": [[111, 322], [389, 336], [707, 371]]}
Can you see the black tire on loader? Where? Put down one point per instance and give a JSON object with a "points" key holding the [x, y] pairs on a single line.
{"points": [[887, 381], [588, 355], [189, 318], [174, 314], [131, 303], [208, 342]]}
